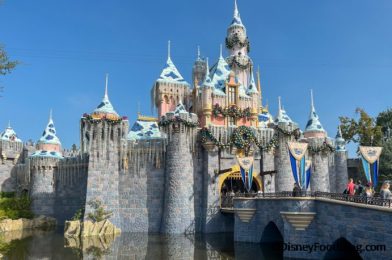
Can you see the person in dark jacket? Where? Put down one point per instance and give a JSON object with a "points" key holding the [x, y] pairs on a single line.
{"points": [[296, 190]]}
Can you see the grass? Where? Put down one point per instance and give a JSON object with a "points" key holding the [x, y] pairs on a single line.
{"points": [[14, 207]]}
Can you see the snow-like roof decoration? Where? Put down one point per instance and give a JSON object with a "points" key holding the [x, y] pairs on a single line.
{"points": [[220, 72], [207, 81], [170, 73], [265, 118], [105, 107], [313, 124], [142, 130], [252, 85], [282, 116], [180, 108], [9, 135], [236, 17], [49, 135], [42, 153]]}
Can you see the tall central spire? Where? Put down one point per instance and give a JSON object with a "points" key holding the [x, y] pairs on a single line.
{"points": [[106, 85], [236, 16]]}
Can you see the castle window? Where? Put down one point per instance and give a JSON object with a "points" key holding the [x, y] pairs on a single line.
{"points": [[232, 96], [111, 135], [231, 121]]}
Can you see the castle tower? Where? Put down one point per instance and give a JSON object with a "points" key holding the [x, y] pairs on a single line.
{"points": [[317, 137], [179, 208], [170, 88], [103, 138], [199, 70], [43, 167], [341, 171], [284, 179], [255, 101], [11, 146], [237, 44]]}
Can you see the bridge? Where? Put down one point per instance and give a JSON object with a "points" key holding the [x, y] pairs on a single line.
{"points": [[314, 225]]}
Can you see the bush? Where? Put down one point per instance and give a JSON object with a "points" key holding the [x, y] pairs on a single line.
{"points": [[78, 214], [14, 207], [99, 213]]}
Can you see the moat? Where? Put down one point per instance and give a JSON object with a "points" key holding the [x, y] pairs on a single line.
{"points": [[52, 245]]}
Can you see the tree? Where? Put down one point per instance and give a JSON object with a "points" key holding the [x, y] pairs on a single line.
{"points": [[363, 130], [6, 65], [384, 119]]}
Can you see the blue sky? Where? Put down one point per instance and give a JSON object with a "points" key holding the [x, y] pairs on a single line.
{"points": [[342, 49]]}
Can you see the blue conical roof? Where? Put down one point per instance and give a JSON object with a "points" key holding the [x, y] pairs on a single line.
{"points": [[282, 116], [105, 107], [49, 135], [219, 74], [313, 124], [252, 85], [9, 135], [236, 17]]}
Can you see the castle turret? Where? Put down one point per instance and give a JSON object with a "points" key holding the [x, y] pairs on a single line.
{"points": [[199, 70], [43, 167], [11, 146], [341, 171], [318, 149], [179, 208], [170, 88], [103, 138], [237, 44], [284, 179]]}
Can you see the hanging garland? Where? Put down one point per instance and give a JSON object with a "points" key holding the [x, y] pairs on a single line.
{"points": [[324, 148], [165, 122], [232, 111], [241, 138], [233, 41], [296, 132], [233, 60], [92, 120]]}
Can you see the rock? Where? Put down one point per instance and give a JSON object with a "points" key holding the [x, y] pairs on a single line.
{"points": [[40, 222], [72, 228], [101, 228]]}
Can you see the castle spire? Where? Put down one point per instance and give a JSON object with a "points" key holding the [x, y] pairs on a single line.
{"points": [[9, 123], [313, 124], [198, 52], [50, 115], [106, 85], [312, 100], [168, 50], [221, 52], [236, 16]]}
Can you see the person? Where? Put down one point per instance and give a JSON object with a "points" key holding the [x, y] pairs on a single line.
{"points": [[385, 193], [296, 190], [368, 192], [350, 187], [359, 188]]}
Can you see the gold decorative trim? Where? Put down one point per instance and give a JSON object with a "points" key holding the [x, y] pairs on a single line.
{"points": [[146, 118], [299, 220], [245, 214]]}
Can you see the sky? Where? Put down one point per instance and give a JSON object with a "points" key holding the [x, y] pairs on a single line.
{"points": [[342, 49]]}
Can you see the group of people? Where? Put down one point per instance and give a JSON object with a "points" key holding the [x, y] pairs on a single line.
{"points": [[367, 190]]}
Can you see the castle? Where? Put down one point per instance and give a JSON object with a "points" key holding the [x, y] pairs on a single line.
{"points": [[167, 174]]}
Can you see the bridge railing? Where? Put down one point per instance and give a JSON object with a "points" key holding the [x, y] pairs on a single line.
{"points": [[227, 200]]}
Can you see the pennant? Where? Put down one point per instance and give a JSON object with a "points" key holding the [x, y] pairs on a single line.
{"points": [[297, 150], [370, 153], [308, 173], [246, 169]]}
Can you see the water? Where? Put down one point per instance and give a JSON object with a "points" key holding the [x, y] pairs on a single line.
{"points": [[52, 245]]}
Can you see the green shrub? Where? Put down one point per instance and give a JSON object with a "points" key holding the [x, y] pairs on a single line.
{"points": [[15, 207], [78, 214], [99, 213]]}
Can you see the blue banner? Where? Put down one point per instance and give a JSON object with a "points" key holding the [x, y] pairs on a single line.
{"points": [[375, 174], [294, 167], [308, 173], [366, 168]]}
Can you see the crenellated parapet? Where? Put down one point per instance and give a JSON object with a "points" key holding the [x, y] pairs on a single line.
{"points": [[320, 150]]}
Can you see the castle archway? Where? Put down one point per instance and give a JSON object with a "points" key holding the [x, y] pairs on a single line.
{"points": [[231, 180], [342, 249]]}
